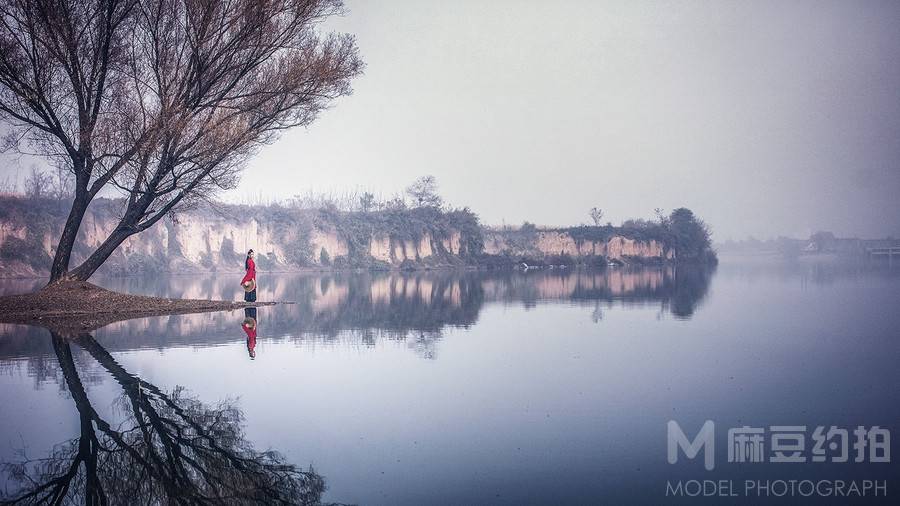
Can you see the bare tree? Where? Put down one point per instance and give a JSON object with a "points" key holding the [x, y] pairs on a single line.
{"points": [[183, 93], [423, 192], [62, 92], [62, 186], [55, 185], [366, 202], [395, 203], [660, 214], [596, 215], [8, 186], [38, 185]]}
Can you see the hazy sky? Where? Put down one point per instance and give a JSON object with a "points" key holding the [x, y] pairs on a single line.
{"points": [[765, 118]]}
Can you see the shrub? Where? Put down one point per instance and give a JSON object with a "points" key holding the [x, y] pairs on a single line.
{"points": [[691, 237], [28, 250]]}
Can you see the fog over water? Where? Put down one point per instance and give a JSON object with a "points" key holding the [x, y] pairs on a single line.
{"points": [[765, 118]]}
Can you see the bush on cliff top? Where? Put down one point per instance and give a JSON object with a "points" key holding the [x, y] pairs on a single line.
{"points": [[681, 232], [359, 228]]}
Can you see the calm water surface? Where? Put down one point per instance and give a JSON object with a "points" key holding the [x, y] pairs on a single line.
{"points": [[469, 388]]}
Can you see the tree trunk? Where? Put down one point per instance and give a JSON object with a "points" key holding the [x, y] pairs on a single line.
{"points": [[87, 443], [93, 262], [63, 254]]}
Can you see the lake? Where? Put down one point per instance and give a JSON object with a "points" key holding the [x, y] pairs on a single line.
{"points": [[540, 387]]}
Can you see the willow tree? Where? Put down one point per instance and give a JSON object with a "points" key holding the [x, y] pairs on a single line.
{"points": [[162, 100]]}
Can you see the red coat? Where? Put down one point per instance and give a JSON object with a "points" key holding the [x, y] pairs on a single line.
{"points": [[251, 271], [251, 339], [251, 335]]}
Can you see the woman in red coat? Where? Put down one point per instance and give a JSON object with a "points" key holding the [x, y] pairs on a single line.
{"points": [[249, 280]]}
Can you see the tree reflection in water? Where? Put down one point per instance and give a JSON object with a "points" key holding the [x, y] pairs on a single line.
{"points": [[362, 308], [170, 448]]}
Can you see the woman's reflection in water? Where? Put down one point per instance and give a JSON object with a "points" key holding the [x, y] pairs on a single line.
{"points": [[249, 326]]}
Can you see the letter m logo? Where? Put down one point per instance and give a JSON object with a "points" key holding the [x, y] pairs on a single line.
{"points": [[705, 440]]}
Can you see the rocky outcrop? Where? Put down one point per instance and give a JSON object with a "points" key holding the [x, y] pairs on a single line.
{"points": [[292, 239], [203, 240], [545, 243]]}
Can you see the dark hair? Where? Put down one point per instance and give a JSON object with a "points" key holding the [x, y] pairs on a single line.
{"points": [[247, 260]]}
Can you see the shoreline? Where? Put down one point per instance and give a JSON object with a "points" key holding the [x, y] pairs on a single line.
{"points": [[74, 307], [240, 272], [506, 264]]}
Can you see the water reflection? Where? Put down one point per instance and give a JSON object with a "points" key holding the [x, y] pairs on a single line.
{"points": [[169, 448], [366, 307], [808, 271], [249, 326], [525, 402]]}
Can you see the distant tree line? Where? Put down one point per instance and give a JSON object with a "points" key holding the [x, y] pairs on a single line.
{"points": [[681, 230], [358, 219], [423, 192]]}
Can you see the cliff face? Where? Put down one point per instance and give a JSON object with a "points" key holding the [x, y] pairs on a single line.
{"points": [[290, 239], [199, 241], [544, 243]]}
